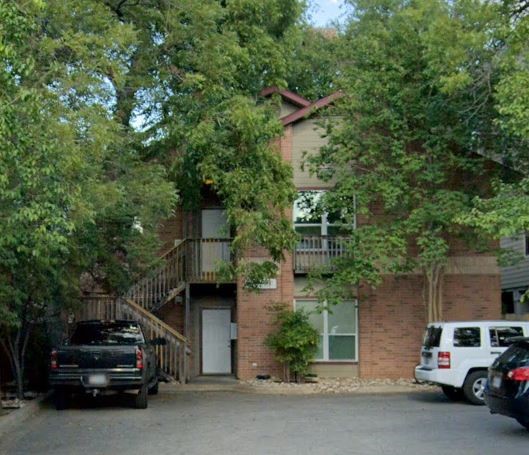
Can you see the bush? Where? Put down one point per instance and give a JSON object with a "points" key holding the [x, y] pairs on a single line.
{"points": [[295, 342]]}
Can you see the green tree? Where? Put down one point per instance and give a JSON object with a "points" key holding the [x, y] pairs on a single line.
{"points": [[71, 185], [193, 83], [409, 157]]}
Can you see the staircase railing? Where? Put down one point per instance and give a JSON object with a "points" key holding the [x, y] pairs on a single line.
{"points": [[172, 357], [163, 282]]}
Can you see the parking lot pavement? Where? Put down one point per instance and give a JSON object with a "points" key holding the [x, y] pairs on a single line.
{"points": [[236, 423]]}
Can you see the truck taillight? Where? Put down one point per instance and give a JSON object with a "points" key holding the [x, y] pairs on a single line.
{"points": [[519, 374], [443, 359], [54, 364], [139, 358]]}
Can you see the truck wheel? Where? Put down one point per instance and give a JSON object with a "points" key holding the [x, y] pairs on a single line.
{"points": [[474, 387], [452, 393], [154, 389], [140, 401], [61, 399]]}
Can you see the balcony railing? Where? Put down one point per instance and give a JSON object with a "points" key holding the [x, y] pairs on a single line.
{"points": [[204, 256], [317, 251]]}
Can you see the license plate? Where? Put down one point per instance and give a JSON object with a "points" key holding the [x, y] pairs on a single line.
{"points": [[496, 382], [97, 379]]}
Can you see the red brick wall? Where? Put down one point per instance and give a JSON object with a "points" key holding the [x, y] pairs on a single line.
{"points": [[170, 230], [255, 322], [173, 314], [254, 319], [392, 319]]}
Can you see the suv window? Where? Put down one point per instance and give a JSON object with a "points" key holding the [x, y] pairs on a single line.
{"points": [[467, 337], [432, 337], [500, 337]]}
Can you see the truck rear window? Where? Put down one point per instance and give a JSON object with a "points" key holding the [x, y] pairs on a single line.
{"points": [[107, 333], [432, 337]]}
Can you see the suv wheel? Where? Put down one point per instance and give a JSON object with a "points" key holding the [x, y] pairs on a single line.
{"points": [[474, 387], [452, 393]]}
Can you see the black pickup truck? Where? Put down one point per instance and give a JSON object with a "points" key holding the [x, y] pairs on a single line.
{"points": [[103, 356]]}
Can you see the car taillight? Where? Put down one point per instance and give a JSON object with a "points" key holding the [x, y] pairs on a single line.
{"points": [[54, 364], [443, 360], [139, 358], [519, 374]]}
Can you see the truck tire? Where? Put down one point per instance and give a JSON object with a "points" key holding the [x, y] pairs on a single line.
{"points": [[474, 386], [61, 399], [452, 393], [140, 400], [154, 389]]}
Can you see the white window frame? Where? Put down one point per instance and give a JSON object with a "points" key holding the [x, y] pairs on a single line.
{"points": [[323, 225], [326, 333]]}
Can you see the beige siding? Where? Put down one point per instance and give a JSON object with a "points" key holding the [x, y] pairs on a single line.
{"points": [[515, 276], [286, 109], [306, 137], [335, 370]]}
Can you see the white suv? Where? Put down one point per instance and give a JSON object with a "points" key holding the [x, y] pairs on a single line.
{"points": [[456, 355]]}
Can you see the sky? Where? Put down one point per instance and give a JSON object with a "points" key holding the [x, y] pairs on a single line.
{"points": [[324, 11]]}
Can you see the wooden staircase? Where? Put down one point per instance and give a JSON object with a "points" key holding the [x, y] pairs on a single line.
{"points": [[141, 302], [183, 264]]}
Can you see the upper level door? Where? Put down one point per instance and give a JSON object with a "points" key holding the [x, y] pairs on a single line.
{"points": [[214, 229], [214, 224]]}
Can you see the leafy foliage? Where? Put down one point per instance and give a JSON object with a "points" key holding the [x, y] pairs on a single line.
{"points": [[295, 342], [410, 155]]}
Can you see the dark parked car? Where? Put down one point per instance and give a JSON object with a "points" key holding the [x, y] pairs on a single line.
{"points": [[507, 389], [105, 355]]}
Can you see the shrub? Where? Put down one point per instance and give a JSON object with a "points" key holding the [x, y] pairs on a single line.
{"points": [[295, 341]]}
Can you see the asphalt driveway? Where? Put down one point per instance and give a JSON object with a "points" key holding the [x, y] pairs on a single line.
{"points": [[236, 423]]}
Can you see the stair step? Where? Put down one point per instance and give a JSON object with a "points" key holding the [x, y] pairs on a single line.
{"points": [[173, 294]]}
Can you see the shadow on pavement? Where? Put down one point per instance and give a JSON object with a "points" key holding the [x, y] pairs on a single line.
{"points": [[78, 401]]}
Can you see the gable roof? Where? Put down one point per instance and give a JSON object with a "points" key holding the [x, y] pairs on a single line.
{"points": [[305, 106], [287, 95], [308, 110]]}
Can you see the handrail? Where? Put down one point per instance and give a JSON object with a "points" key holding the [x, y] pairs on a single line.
{"points": [[161, 323], [150, 291], [316, 251], [204, 256]]}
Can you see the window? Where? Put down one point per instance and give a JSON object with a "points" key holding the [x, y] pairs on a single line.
{"points": [[101, 333], [432, 337], [467, 337], [507, 302], [501, 337], [526, 237], [337, 327], [314, 225]]}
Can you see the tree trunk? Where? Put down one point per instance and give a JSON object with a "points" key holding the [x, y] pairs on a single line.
{"points": [[16, 352], [433, 295]]}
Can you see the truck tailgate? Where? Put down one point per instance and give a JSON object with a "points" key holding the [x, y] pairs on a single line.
{"points": [[96, 357]]}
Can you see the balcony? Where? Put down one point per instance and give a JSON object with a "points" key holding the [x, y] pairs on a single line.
{"points": [[203, 257], [317, 251]]}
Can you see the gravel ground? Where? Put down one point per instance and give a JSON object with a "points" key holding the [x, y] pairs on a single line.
{"points": [[338, 385]]}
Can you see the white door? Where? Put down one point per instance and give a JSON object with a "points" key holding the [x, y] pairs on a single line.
{"points": [[216, 341], [214, 226]]}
